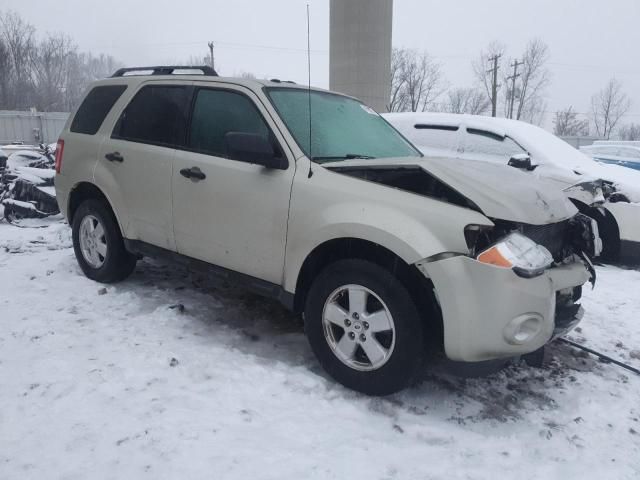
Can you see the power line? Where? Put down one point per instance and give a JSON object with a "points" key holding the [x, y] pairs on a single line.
{"points": [[619, 69]]}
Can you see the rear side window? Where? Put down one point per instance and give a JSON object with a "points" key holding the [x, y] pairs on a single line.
{"points": [[95, 108], [157, 115], [217, 112], [435, 139]]}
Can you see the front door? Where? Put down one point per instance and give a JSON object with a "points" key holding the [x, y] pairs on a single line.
{"points": [[230, 213]]}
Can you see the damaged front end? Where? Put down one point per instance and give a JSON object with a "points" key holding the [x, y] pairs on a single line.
{"points": [[518, 288], [596, 193], [576, 236], [519, 283]]}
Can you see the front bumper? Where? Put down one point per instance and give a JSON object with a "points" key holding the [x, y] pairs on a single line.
{"points": [[490, 312]]}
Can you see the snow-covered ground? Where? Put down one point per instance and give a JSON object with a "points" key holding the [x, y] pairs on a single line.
{"points": [[120, 382]]}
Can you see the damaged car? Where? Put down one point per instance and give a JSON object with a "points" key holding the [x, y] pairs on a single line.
{"points": [[312, 198], [608, 193], [27, 185]]}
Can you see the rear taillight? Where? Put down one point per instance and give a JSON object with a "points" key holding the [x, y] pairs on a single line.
{"points": [[59, 152]]}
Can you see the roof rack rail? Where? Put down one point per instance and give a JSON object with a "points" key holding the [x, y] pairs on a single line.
{"points": [[166, 70]]}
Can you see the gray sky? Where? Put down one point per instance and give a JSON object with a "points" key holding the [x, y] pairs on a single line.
{"points": [[590, 40]]}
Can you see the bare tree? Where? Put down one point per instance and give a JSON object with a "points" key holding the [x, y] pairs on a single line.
{"points": [[608, 106], [49, 74], [466, 100], [481, 67], [629, 132], [397, 100], [50, 63], [5, 73], [417, 81], [567, 123], [534, 79], [19, 39]]}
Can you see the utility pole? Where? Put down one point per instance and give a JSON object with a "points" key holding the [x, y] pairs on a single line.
{"points": [[212, 60], [512, 94], [494, 83]]}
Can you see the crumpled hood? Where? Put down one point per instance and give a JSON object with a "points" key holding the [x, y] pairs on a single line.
{"points": [[503, 192], [499, 191]]}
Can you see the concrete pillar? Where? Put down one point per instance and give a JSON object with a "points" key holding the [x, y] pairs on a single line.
{"points": [[360, 50]]}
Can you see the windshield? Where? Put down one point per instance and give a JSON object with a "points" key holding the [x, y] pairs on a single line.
{"points": [[341, 127]]}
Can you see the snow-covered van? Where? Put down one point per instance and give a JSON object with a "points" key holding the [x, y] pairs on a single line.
{"points": [[390, 256]]}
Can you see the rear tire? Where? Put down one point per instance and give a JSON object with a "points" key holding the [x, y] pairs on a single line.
{"points": [[364, 327], [98, 243]]}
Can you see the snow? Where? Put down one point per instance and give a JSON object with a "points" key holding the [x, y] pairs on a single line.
{"points": [[49, 190], [112, 382], [23, 158], [19, 203], [42, 173]]}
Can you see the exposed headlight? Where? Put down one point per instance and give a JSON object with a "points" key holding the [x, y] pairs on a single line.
{"points": [[515, 251]]}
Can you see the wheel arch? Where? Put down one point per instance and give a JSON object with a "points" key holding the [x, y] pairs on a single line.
{"points": [[84, 191], [419, 287], [608, 228]]}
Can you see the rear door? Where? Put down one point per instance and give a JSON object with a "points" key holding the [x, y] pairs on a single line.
{"points": [[135, 162], [234, 216]]}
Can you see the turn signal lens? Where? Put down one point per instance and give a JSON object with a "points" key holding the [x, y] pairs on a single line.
{"points": [[494, 257], [515, 251]]}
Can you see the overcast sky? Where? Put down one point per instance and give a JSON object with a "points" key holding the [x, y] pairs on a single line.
{"points": [[590, 40]]}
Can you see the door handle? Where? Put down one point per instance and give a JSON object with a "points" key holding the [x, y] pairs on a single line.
{"points": [[114, 157], [193, 173]]}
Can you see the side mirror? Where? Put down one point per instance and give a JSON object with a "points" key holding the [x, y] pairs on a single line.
{"points": [[522, 161], [253, 148]]}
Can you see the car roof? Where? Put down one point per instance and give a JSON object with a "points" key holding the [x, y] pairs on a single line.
{"points": [[251, 83]]}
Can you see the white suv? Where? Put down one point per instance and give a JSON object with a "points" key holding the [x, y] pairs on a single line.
{"points": [[389, 255]]}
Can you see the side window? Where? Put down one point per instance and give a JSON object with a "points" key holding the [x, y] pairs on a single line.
{"points": [[95, 108], [218, 112], [156, 115], [481, 142], [437, 138]]}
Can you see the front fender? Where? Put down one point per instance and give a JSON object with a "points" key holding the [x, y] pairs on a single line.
{"points": [[331, 206]]}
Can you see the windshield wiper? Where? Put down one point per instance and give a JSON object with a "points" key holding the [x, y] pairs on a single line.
{"points": [[348, 156]]}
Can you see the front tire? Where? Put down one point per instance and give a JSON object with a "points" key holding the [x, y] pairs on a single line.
{"points": [[98, 243], [364, 327]]}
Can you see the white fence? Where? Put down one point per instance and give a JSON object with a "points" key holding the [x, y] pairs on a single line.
{"points": [[580, 141], [31, 127]]}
